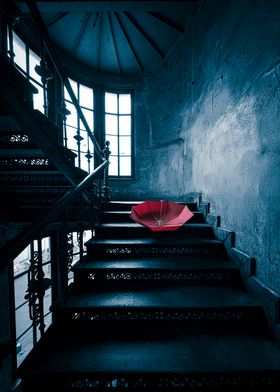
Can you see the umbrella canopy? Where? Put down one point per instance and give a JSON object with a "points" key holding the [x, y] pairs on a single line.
{"points": [[161, 215]]}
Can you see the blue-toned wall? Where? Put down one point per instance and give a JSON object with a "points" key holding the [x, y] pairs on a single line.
{"points": [[209, 121]]}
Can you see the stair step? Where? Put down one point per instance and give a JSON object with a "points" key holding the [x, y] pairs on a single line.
{"points": [[154, 246], [130, 230], [182, 270], [30, 163], [165, 297], [124, 216], [126, 205], [14, 178], [209, 360], [170, 303]]}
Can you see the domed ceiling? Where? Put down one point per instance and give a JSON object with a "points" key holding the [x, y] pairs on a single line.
{"points": [[119, 37]]}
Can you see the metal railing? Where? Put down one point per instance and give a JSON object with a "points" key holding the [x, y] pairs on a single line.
{"points": [[49, 223], [59, 68], [13, 247]]}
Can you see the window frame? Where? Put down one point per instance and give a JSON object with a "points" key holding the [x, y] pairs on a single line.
{"points": [[132, 137], [79, 126], [26, 73]]}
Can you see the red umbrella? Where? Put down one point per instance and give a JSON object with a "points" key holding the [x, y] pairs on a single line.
{"points": [[161, 215]]}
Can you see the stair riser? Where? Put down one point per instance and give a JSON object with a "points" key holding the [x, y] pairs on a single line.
{"points": [[91, 279], [246, 316], [261, 381], [144, 232], [110, 217], [28, 214], [115, 206], [115, 251], [14, 180], [26, 164], [251, 381]]}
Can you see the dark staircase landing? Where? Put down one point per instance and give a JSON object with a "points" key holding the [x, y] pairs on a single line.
{"points": [[155, 311]]}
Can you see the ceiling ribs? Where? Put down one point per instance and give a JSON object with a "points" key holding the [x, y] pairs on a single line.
{"points": [[165, 19], [114, 41], [109, 6], [99, 38], [56, 18], [129, 42], [81, 32], [147, 37]]}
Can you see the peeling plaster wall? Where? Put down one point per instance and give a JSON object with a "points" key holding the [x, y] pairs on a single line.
{"points": [[209, 121]]}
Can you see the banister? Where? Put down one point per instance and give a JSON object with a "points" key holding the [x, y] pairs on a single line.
{"points": [[59, 68], [16, 245]]}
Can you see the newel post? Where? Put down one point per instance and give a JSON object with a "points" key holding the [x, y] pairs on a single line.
{"points": [[105, 189]]}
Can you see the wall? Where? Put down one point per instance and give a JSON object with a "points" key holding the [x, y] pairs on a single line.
{"points": [[210, 123]]}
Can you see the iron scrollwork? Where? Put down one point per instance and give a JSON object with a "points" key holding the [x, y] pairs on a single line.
{"points": [[37, 286]]}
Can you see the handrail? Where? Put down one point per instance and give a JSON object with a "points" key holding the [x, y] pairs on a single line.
{"points": [[59, 68], [16, 245]]}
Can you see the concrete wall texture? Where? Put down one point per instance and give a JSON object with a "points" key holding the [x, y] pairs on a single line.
{"points": [[208, 121]]}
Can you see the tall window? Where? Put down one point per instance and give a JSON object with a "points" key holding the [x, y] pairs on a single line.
{"points": [[26, 61], [27, 331], [75, 135], [118, 131]]}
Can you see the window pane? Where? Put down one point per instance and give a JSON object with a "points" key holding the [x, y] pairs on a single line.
{"points": [[111, 124], [113, 144], [38, 99], [124, 104], [84, 163], [125, 145], [20, 289], [111, 103], [125, 166], [48, 321], [113, 167], [71, 119], [33, 61], [22, 319], [24, 346], [125, 125], [46, 251], [84, 142], [47, 301], [21, 262], [74, 86], [71, 142], [20, 52], [89, 119], [86, 97]]}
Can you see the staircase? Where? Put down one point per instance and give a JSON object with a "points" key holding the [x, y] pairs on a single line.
{"points": [[154, 311], [35, 168]]}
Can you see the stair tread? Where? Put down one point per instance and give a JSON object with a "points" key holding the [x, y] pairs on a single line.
{"points": [[125, 205], [120, 212], [138, 225], [160, 297], [160, 263], [153, 241], [179, 353]]}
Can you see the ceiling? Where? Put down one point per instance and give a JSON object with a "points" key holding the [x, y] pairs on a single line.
{"points": [[119, 37]]}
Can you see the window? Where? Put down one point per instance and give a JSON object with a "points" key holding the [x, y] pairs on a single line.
{"points": [[26, 61], [75, 135], [27, 332], [118, 131]]}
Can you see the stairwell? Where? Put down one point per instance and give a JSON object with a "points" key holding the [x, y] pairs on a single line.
{"points": [[154, 311], [36, 170]]}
